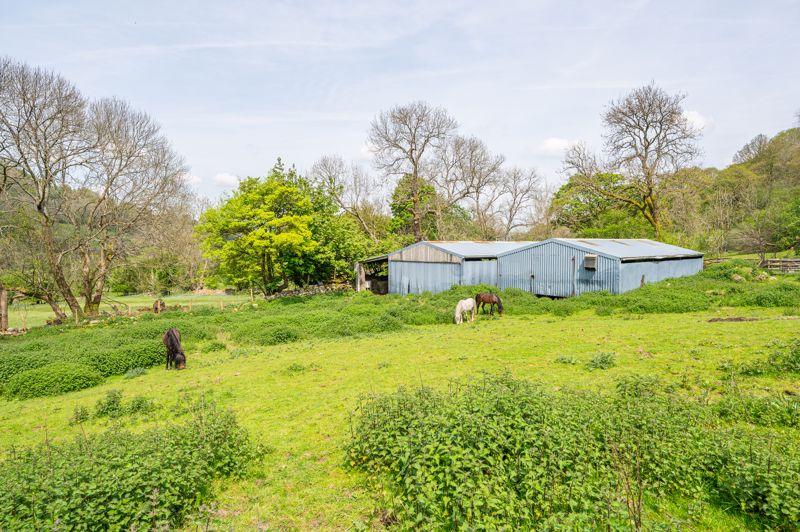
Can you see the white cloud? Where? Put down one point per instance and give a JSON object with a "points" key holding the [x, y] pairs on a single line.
{"points": [[192, 179], [365, 153], [226, 179], [554, 146], [701, 122]]}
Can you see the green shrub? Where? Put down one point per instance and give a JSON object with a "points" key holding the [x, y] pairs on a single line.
{"points": [[140, 405], [784, 358], [213, 345], [141, 354], [53, 379], [639, 386], [503, 453], [15, 362], [79, 415], [281, 335], [601, 361], [776, 410], [110, 405], [119, 480]]}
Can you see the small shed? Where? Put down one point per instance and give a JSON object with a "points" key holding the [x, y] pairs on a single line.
{"points": [[435, 266], [563, 267]]}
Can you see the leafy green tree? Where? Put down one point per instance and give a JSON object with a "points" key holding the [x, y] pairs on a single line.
{"points": [[258, 234]]}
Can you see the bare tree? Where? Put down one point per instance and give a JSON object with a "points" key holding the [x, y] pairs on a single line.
{"points": [[352, 189], [132, 176], [403, 139], [521, 190], [647, 138], [752, 149], [42, 138], [464, 169], [101, 169]]}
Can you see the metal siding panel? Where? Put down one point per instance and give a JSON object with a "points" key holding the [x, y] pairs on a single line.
{"points": [[654, 271], [479, 272], [551, 266], [419, 277]]}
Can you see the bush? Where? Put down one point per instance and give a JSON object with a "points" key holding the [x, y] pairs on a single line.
{"points": [[601, 361], [141, 354], [52, 379], [110, 405], [140, 405], [777, 410], [503, 453], [79, 415], [213, 345], [639, 386], [120, 480]]}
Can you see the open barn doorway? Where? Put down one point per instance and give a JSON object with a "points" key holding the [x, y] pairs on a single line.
{"points": [[373, 274]]}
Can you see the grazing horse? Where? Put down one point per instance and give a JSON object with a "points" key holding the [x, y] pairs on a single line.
{"points": [[159, 306], [465, 306], [175, 356], [485, 298]]}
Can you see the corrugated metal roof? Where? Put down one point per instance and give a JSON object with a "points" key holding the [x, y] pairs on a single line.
{"points": [[376, 258], [629, 248], [477, 249]]}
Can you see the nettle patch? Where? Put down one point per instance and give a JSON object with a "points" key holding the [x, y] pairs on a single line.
{"points": [[503, 453], [120, 480]]}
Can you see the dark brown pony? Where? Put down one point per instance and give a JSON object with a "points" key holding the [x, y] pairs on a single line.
{"points": [[159, 306], [175, 356], [486, 298]]}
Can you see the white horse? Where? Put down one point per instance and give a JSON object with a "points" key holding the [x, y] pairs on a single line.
{"points": [[464, 306]]}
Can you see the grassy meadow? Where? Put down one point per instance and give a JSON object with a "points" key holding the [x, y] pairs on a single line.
{"points": [[25, 314], [296, 391]]}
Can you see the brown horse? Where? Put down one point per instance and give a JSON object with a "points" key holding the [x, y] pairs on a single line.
{"points": [[175, 356], [487, 298]]}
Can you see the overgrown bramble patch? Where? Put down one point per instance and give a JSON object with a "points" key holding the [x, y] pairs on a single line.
{"points": [[500, 452]]}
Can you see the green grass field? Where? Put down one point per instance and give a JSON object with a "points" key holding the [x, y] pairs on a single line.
{"points": [[297, 398], [24, 314]]}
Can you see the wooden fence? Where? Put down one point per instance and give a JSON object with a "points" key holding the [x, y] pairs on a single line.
{"points": [[782, 265]]}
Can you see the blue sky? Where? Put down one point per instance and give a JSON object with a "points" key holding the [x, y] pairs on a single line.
{"points": [[236, 84]]}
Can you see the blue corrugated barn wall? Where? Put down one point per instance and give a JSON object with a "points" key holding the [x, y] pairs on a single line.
{"points": [[634, 274], [423, 267], [556, 269], [407, 277], [479, 272]]}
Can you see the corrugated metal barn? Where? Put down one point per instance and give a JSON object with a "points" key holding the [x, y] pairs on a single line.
{"points": [[563, 267], [436, 266]]}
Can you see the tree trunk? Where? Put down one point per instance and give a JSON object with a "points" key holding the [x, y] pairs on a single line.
{"points": [[3, 309], [58, 274], [92, 304], [60, 315]]}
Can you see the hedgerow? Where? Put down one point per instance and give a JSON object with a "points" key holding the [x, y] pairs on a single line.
{"points": [[120, 480], [503, 453], [52, 379]]}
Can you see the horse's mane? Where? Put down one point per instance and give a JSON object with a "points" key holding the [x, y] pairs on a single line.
{"points": [[171, 339]]}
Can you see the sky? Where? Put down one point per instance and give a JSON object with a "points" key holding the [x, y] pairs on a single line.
{"points": [[237, 84]]}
